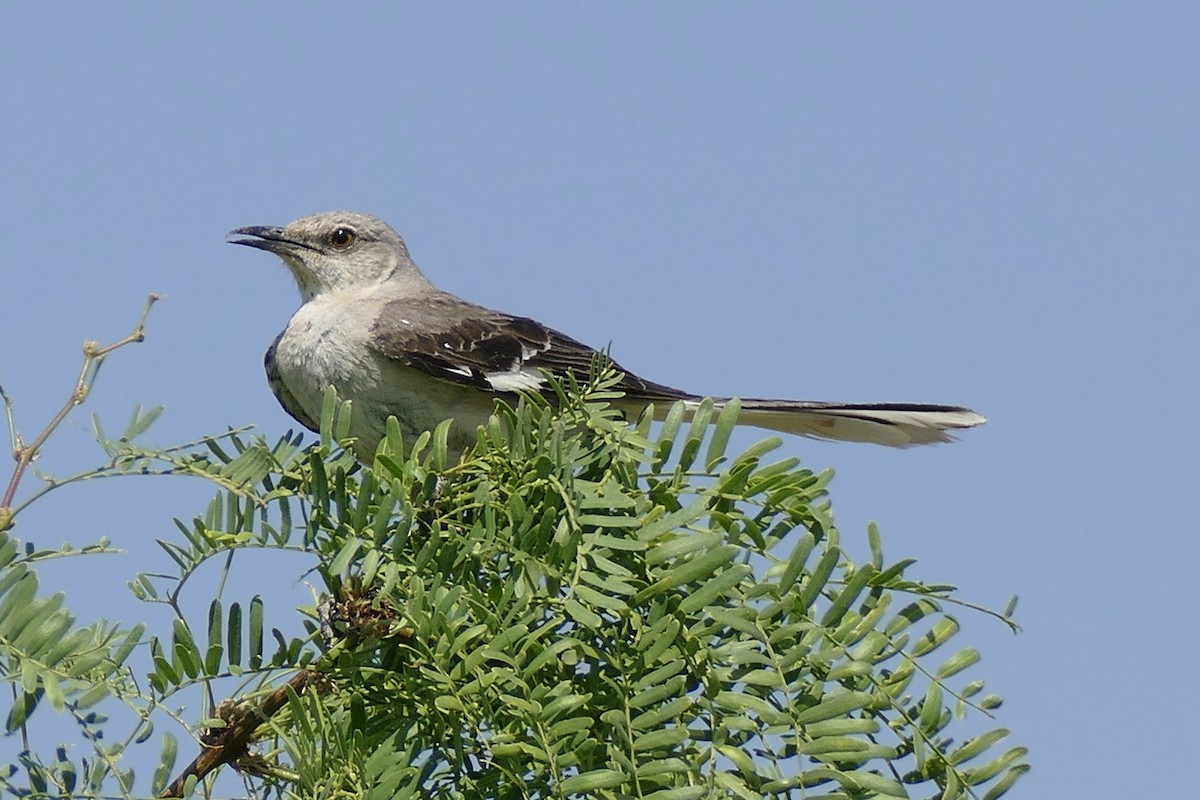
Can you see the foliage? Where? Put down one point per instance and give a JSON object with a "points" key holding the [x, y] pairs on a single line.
{"points": [[577, 608]]}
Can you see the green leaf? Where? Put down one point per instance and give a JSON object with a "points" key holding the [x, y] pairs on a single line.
{"points": [[657, 526], [684, 544], [656, 693], [695, 435], [659, 739], [938, 635], [1005, 782], [847, 596], [163, 671], [655, 717], [590, 781], [796, 562], [598, 600], [911, 614], [739, 759], [256, 632], [166, 764], [743, 702], [448, 703], [977, 746], [833, 705], [699, 567], [722, 430], [715, 589], [561, 705], [582, 615], [930, 718], [329, 408], [8, 550], [344, 556], [132, 638], [139, 422], [681, 793], [44, 630], [666, 439], [985, 773], [233, 641], [54, 691], [212, 656], [876, 783], [611, 542], [14, 608], [875, 541], [92, 695], [815, 584], [841, 726], [961, 660], [30, 676], [22, 707]]}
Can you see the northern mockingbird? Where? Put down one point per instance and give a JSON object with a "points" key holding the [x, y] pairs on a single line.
{"points": [[373, 327]]}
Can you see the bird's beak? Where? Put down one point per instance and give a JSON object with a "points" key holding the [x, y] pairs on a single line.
{"points": [[264, 237]]}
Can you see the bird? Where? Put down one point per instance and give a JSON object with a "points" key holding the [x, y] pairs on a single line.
{"points": [[371, 325]]}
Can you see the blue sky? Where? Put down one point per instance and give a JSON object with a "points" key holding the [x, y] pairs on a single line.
{"points": [[986, 204]]}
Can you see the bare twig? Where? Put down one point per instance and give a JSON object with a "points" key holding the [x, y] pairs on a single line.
{"points": [[93, 357], [113, 470], [345, 624], [13, 436], [229, 744]]}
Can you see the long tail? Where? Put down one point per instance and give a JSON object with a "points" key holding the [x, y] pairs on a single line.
{"points": [[890, 424]]}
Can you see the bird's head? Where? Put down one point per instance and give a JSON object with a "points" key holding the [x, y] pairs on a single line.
{"points": [[336, 251]]}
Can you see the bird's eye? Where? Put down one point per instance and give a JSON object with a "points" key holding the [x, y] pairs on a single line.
{"points": [[342, 237]]}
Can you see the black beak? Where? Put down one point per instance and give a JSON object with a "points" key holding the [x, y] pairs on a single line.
{"points": [[264, 237]]}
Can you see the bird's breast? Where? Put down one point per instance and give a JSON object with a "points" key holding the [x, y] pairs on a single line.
{"points": [[325, 344], [329, 344]]}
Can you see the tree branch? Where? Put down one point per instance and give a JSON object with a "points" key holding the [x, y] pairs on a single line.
{"points": [[93, 357], [230, 743]]}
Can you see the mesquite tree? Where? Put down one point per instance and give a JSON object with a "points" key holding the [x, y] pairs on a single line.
{"points": [[579, 607]]}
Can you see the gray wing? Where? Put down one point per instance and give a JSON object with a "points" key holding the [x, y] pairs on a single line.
{"points": [[281, 392], [459, 342]]}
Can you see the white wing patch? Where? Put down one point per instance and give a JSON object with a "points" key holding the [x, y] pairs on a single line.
{"points": [[516, 380], [518, 377]]}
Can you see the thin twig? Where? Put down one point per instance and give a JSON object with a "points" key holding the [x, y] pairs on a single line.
{"points": [[13, 436], [231, 742], [113, 469], [243, 718], [93, 356]]}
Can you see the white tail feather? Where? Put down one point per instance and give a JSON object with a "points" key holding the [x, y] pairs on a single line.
{"points": [[890, 424]]}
